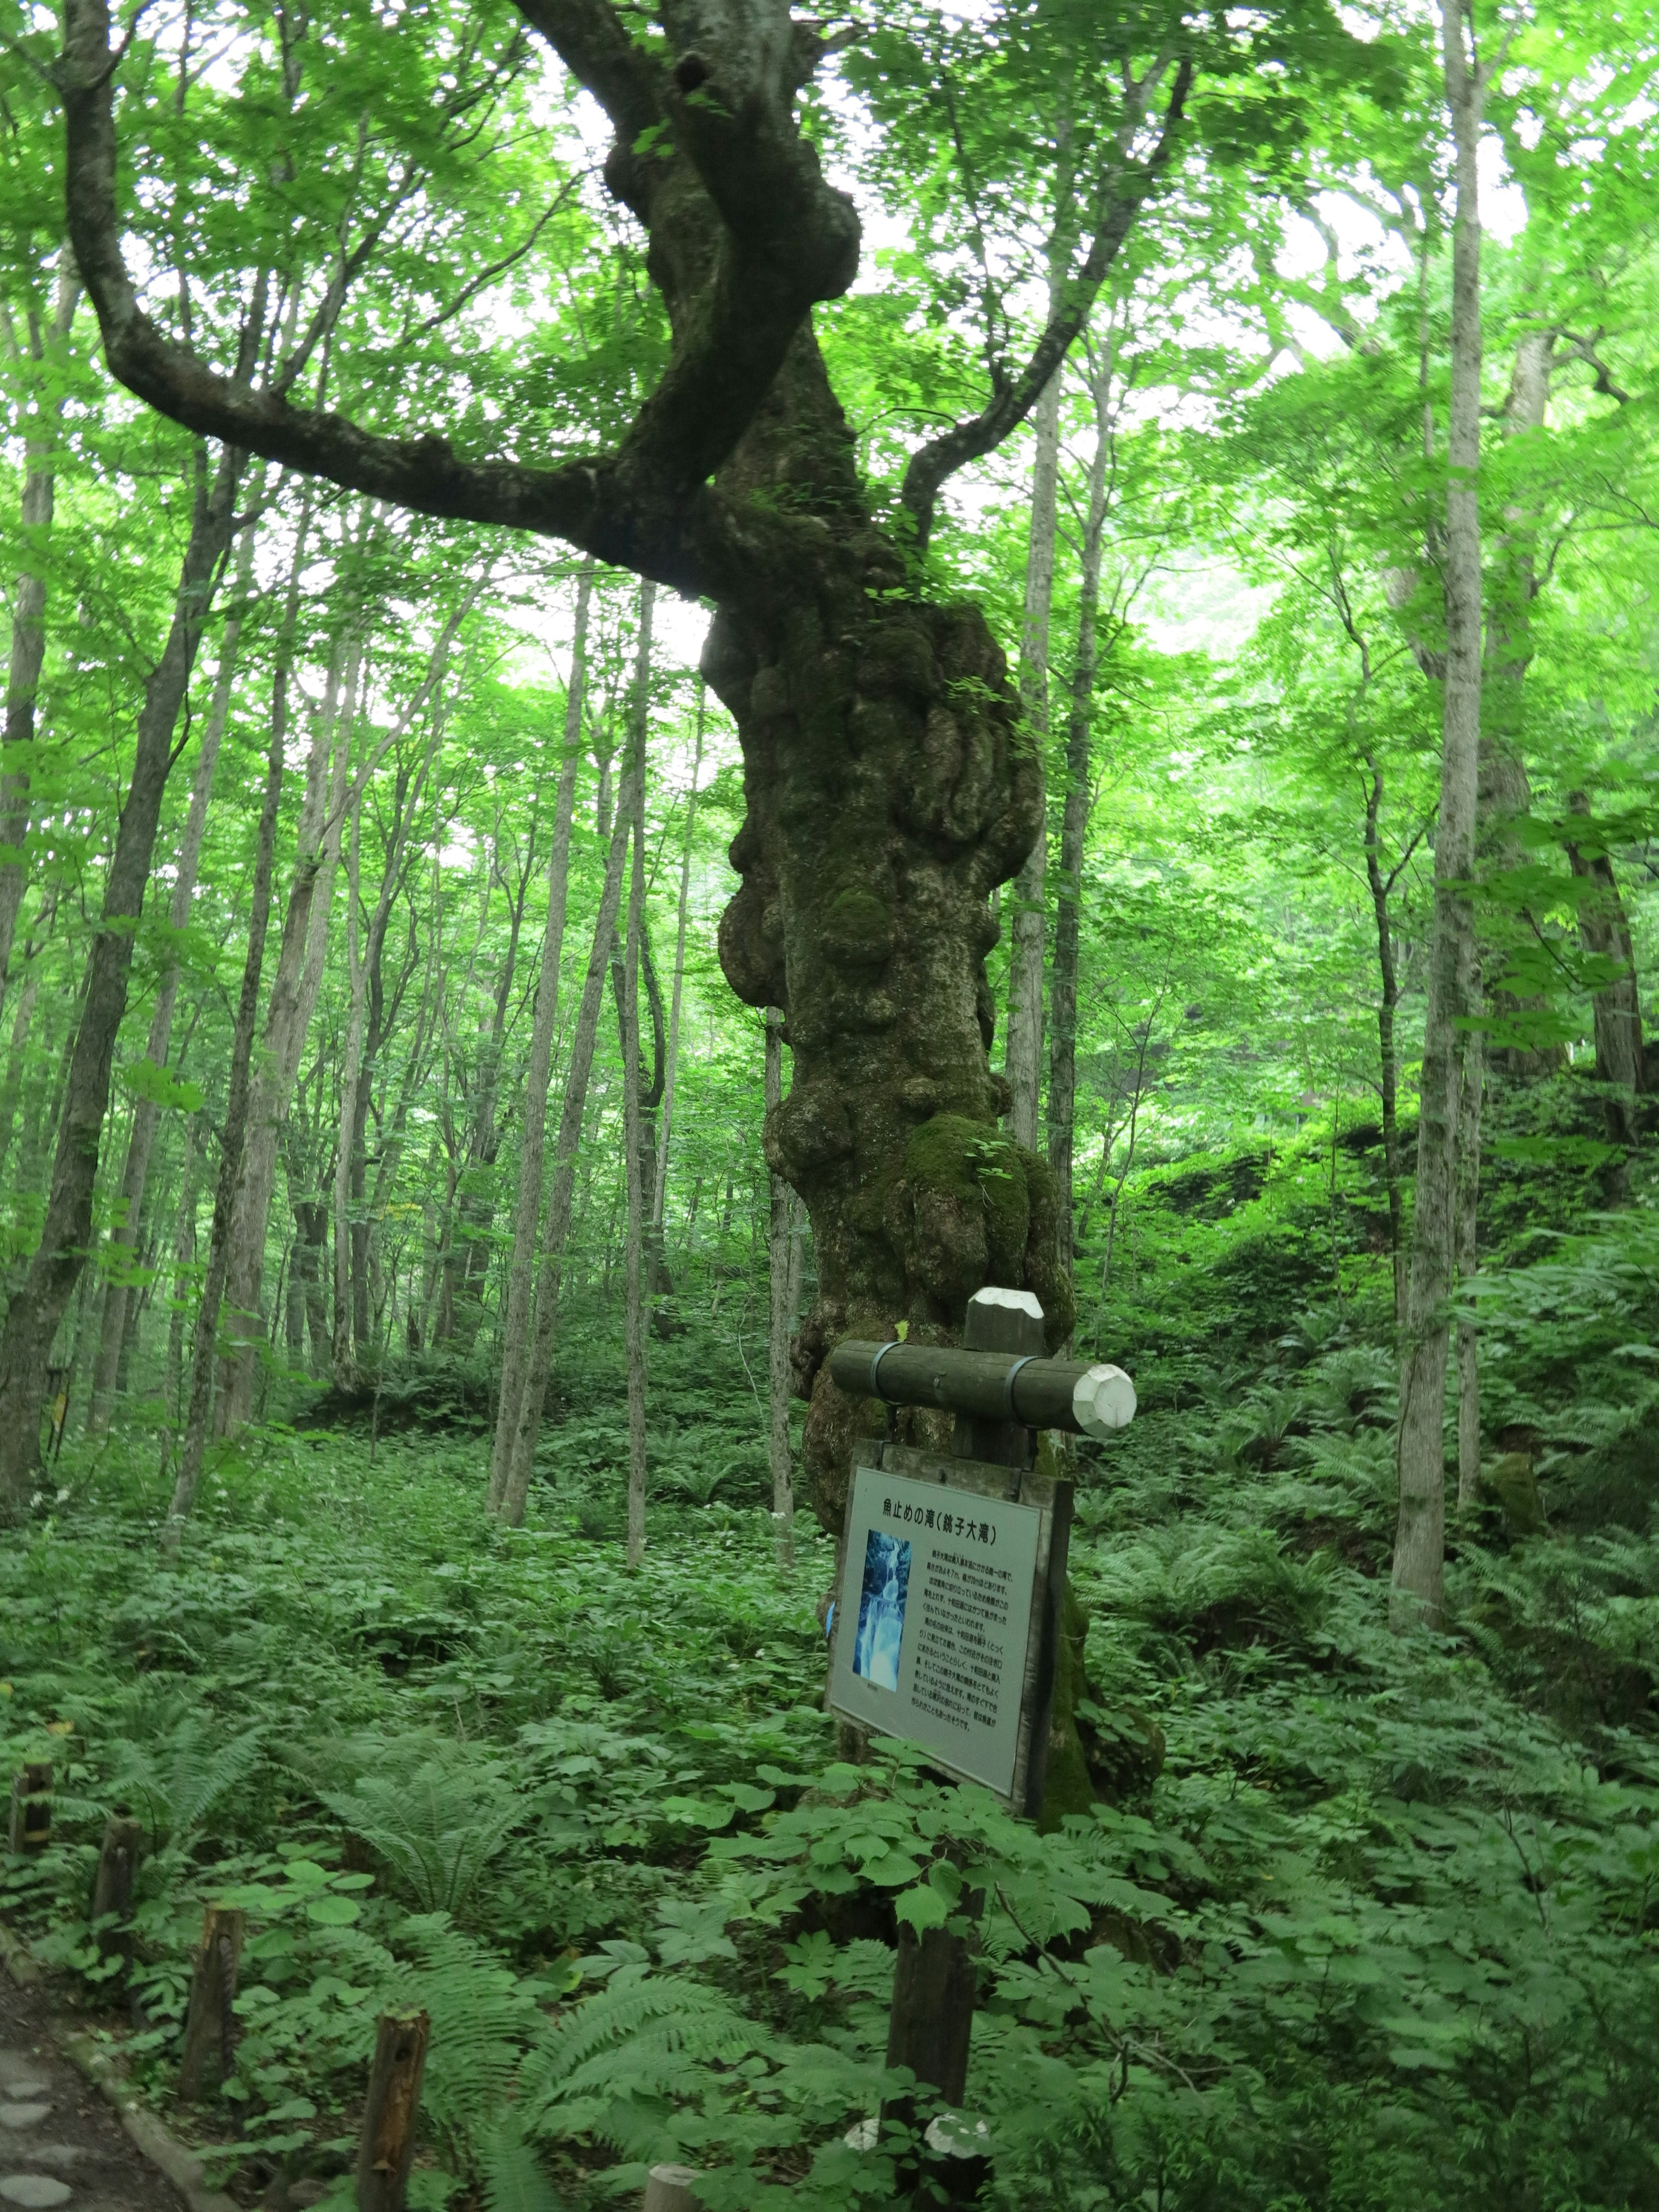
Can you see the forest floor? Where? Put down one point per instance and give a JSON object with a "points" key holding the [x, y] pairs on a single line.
{"points": [[60, 2144], [1363, 1921]]}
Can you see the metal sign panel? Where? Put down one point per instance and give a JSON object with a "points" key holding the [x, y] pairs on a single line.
{"points": [[933, 1619]]}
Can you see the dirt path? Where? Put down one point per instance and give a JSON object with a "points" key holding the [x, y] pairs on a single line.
{"points": [[60, 2144]]}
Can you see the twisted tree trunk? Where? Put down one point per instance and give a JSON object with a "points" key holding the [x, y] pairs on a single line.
{"points": [[889, 789]]}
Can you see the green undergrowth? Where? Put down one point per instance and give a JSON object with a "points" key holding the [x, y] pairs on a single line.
{"points": [[1378, 1932]]}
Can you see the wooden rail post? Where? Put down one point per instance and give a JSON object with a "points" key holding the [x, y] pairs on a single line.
{"points": [[385, 2150], [935, 1976], [210, 2024], [118, 1865], [31, 1807], [669, 2190]]}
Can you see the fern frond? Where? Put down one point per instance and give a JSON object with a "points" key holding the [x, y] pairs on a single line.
{"points": [[510, 2173]]}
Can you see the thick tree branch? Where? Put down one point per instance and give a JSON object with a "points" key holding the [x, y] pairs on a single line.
{"points": [[1126, 193], [745, 238]]}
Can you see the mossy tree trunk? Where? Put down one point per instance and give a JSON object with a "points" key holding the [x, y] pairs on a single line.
{"points": [[888, 794]]}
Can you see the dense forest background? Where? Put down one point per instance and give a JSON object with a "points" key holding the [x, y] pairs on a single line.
{"points": [[400, 1456]]}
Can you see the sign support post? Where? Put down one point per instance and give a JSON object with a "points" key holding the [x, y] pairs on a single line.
{"points": [[947, 1625]]}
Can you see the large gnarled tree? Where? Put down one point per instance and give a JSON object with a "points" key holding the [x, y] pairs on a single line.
{"points": [[889, 784]]}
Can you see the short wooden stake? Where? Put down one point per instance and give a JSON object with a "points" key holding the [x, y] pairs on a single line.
{"points": [[210, 2024], [386, 2150], [118, 1865], [31, 1807], [669, 2190]]}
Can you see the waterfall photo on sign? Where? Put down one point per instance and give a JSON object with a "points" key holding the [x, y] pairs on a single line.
{"points": [[881, 1609]]}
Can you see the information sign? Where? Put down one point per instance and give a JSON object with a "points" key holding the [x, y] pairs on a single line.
{"points": [[934, 1620]]}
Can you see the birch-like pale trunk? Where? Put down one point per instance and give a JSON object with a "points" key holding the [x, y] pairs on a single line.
{"points": [[294, 989], [1419, 1575], [1074, 818], [1027, 930], [194, 1447], [45, 349], [567, 1147], [518, 1302], [634, 1323], [147, 1114], [364, 953], [357, 992], [781, 1315]]}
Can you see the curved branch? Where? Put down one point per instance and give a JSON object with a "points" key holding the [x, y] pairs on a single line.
{"points": [[742, 247], [931, 464]]}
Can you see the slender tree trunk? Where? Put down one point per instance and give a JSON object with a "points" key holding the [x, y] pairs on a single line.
{"points": [[33, 1316], [1604, 931], [1419, 1541], [1468, 1195], [350, 1070], [659, 1196], [28, 629], [566, 1148], [519, 1298], [183, 1264], [1028, 930], [632, 1118], [235, 1131], [1504, 799], [1074, 819], [118, 1294], [10, 1091], [782, 1316], [294, 990], [1388, 1051]]}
